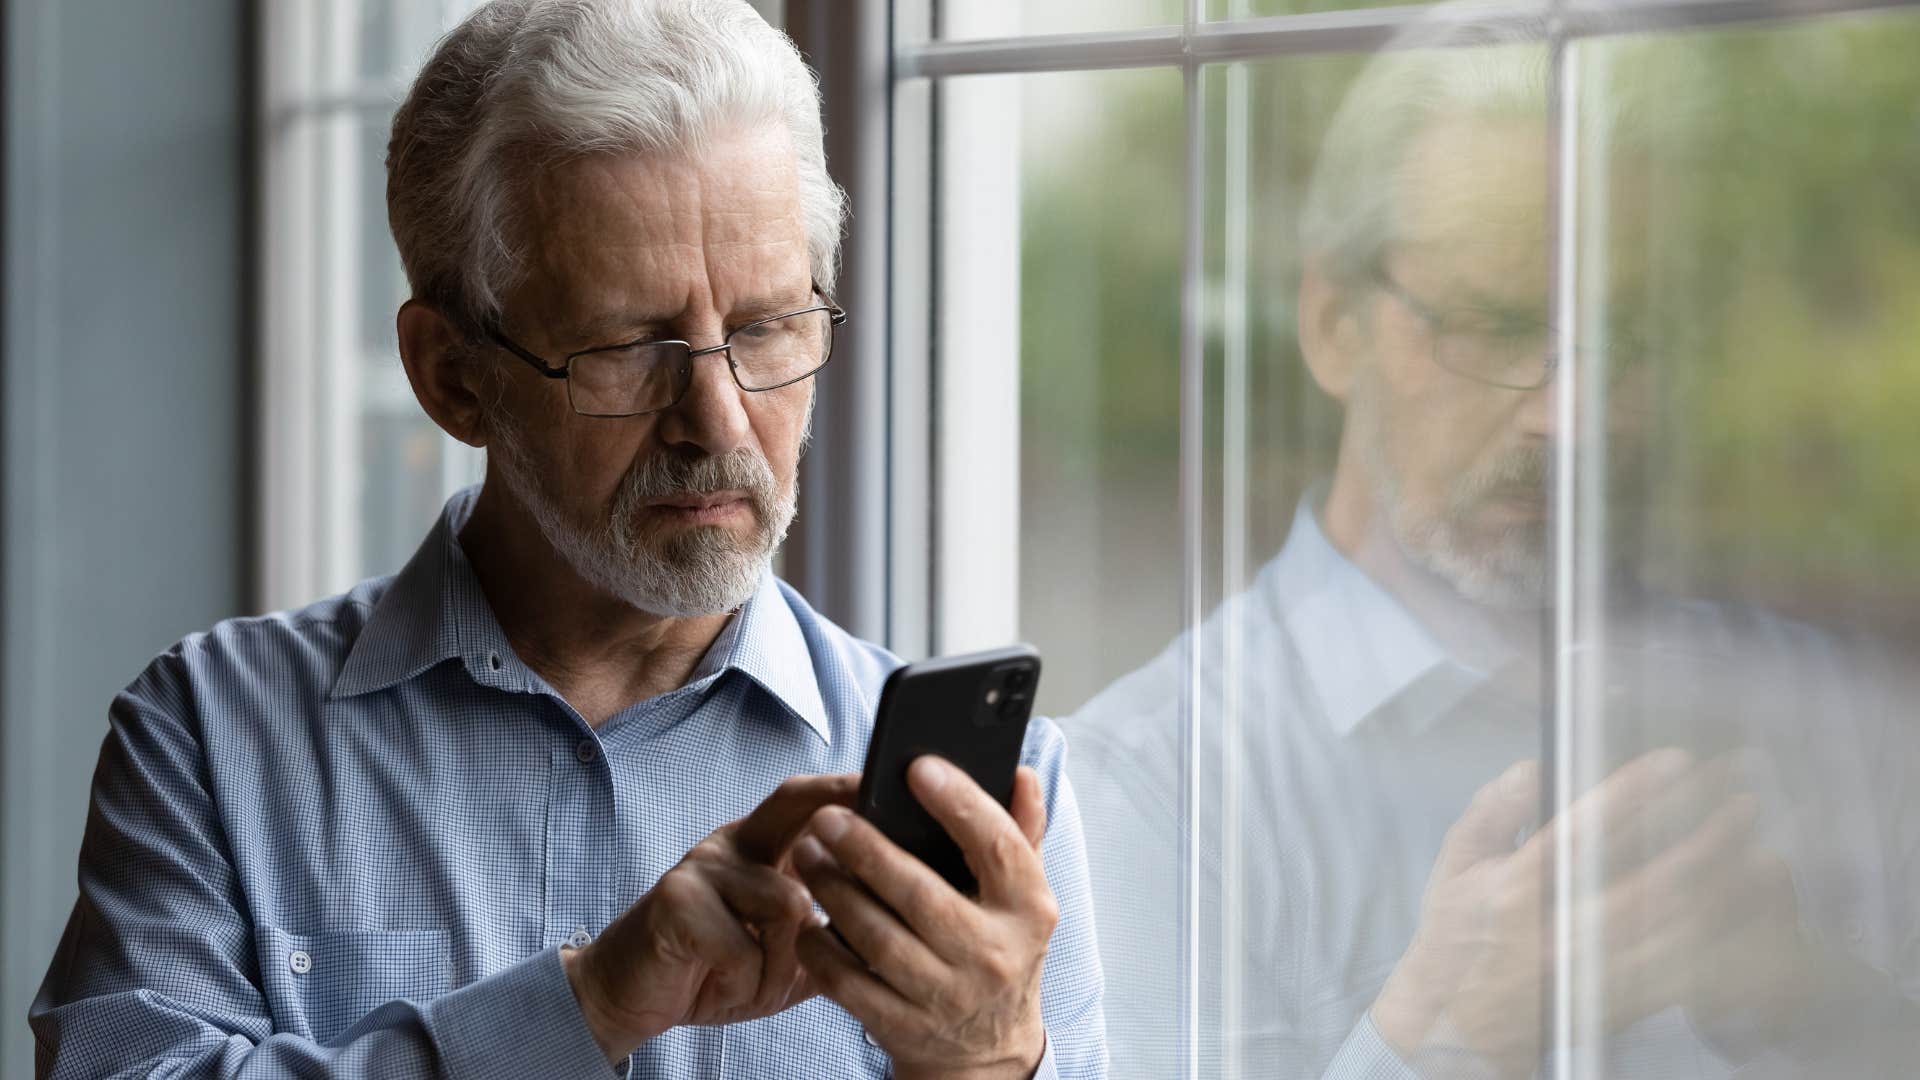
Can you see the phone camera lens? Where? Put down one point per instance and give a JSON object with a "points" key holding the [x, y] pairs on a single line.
{"points": [[1019, 678]]}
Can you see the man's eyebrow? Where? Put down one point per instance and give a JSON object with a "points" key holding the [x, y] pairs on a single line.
{"points": [[1505, 307], [618, 328], [765, 307]]}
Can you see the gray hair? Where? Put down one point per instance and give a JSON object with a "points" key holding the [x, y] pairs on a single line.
{"points": [[1435, 69], [1466, 60], [523, 85]]}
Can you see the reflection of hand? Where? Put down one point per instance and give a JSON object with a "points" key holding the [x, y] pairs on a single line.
{"points": [[713, 941], [947, 986], [1675, 858], [1758, 972]]}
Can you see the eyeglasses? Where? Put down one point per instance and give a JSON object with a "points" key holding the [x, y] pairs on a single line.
{"points": [[650, 375], [1514, 353], [1487, 348]]}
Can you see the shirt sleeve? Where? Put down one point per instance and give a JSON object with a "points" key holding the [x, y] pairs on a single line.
{"points": [[1367, 1056], [158, 972], [1071, 984]]}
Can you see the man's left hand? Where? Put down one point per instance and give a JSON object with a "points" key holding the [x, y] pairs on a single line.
{"points": [[948, 986]]}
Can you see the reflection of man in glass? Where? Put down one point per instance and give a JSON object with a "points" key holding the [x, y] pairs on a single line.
{"points": [[1376, 895]]}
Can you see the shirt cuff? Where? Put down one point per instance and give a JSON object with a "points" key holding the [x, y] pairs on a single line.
{"points": [[1366, 1055], [523, 1021]]}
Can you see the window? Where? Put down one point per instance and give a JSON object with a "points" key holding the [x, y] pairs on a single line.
{"points": [[354, 472], [1352, 403]]}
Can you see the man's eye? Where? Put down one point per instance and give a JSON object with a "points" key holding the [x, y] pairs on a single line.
{"points": [[761, 331], [636, 350]]}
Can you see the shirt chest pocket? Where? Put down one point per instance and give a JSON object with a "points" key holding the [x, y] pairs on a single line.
{"points": [[319, 985]]}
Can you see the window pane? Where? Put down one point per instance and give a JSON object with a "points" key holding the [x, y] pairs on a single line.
{"points": [[1747, 210], [406, 466], [396, 35], [1377, 241], [1502, 714], [1100, 238], [1058, 402], [1062, 245]]}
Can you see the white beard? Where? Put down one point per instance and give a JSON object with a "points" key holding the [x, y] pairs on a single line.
{"points": [[703, 570], [1507, 573], [1507, 570]]}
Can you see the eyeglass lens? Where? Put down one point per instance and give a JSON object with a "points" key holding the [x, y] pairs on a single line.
{"points": [[653, 375]]}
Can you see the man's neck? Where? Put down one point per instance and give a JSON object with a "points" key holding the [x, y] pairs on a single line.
{"points": [[601, 653]]}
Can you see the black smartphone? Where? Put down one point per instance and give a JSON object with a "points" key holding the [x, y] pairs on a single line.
{"points": [[971, 710]]}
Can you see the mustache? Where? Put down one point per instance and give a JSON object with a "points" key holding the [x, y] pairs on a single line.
{"points": [[669, 474], [1522, 471]]}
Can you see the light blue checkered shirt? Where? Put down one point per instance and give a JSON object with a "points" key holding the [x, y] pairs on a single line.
{"points": [[349, 841]]}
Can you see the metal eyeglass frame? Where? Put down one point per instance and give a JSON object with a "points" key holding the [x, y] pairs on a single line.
{"points": [[1549, 361], [836, 316]]}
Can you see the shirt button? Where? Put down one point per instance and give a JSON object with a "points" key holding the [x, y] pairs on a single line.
{"points": [[868, 1035], [586, 750], [300, 962], [493, 661], [579, 939]]}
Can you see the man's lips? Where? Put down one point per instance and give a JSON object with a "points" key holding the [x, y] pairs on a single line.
{"points": [[1521, 502], [699, 509]]}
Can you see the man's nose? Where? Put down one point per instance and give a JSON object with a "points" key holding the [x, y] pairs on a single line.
{"points": [[712, 414], [1537, 412]]}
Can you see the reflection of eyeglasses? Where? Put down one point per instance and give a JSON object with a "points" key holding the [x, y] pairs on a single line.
{"points": [[1506, 350], [651, 375], [1489, 348]]}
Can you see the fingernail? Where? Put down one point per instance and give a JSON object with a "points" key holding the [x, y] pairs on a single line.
{"points": [[830, 824], [932, 772], [818, 920], [808, 852]]}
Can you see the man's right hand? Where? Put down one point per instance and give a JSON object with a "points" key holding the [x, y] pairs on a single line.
{"points": [[713, 941], [1673, 844]]}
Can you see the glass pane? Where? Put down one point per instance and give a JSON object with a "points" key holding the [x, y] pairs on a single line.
{"points": [[1746, 578], [395, 36], [1061, 235], [406, 466], [1374, 573], [1014, 18], [1099, 372]]}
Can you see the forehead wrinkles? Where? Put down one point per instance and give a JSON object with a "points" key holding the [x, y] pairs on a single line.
{"points": [[686, 217], [1475, 191]]}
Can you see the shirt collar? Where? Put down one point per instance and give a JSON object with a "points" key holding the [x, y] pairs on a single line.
{"points": [[435, 610], [1364, 656], [763, 641]]}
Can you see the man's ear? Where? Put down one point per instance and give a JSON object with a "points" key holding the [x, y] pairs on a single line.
{"points": [[1331, 335], [444, 376]]}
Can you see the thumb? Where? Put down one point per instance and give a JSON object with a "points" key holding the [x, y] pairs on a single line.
{"points": [[1488, 827]]}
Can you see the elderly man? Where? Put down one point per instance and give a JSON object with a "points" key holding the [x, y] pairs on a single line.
{"points": [[1379, 899], [566, 797]]}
